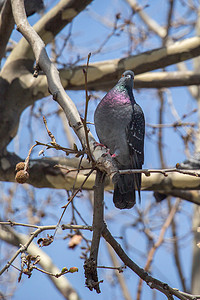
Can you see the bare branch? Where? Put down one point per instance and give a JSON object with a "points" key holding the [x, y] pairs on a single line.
{"points": [[148, 172], [61, 14], [56, 87], [90, 265], [6, 26], [145, 80], [44, 174], [34, 234], [62, 284], [152, 24], [47, 227], [106, 72], [169, 20], [151, 281]]}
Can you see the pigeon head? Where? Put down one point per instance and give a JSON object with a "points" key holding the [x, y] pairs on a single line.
{"points": [[127, 79]]}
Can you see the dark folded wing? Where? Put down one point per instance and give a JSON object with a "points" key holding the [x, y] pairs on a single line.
{"points": [[135, 138]]}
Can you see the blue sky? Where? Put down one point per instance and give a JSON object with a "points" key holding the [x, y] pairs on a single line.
{"points": [[88, 35]]}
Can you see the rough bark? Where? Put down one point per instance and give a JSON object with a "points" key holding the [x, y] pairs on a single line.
{"points": [[106, 82], [6, 26], [18, 89], [43, 173]]}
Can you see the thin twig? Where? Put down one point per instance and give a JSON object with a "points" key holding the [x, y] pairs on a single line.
{"points": [[174, 125], [50, 134], [87, 98], [148, 172], [177, 249], [23, 248], [169, 21], [58, 147], [73, 195], [28, 157], [160, 132], [120, 269], [63, 272], [71, 170], [47, 227], [189, 296], [79, 190]]}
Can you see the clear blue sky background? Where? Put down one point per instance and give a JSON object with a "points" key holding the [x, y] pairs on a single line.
{"points": [[88, 35]]}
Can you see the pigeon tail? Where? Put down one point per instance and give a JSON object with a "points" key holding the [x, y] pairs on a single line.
{"points": [[124, 191]]}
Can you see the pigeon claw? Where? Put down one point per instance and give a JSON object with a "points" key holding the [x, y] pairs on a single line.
{"points": [[99, 144]]}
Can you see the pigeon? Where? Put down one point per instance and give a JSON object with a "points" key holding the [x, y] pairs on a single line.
{"points": [[120, 126]]}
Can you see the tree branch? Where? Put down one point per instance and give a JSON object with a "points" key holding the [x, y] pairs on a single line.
{"points": [[152, 24], [90, 265], [106, 82], [56, 87], [151, 281], [6, 26], [101, 75], [25, 246], [104, 74], [49, 26], [43, 173], [62, 284]]}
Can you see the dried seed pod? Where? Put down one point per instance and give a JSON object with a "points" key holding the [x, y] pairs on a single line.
{"points": [[19, 166], [22, 176]]}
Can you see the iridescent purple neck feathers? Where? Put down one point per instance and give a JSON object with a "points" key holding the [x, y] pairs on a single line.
{"points": [[122, 93]]}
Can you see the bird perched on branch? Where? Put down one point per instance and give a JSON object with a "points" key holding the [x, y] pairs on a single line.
{"points": [[120, 126]]}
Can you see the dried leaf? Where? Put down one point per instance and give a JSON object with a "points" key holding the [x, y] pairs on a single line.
{"points": [[74, 241], [45, 241]]}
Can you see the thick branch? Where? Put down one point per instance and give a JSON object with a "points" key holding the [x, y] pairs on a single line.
{"points": [[145, 80], [43, 173], [6, 26], [108, 71], [167, 79], [56, 87], [152, 282], [152, 24], [101, 75], [49, 26], [16, 89], [90, 265]]}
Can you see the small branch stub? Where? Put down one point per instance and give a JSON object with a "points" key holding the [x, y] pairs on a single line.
{"points": [[91, 275]]}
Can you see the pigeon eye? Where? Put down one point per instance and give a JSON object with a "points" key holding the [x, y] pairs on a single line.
{"points": [[122, 75]]}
